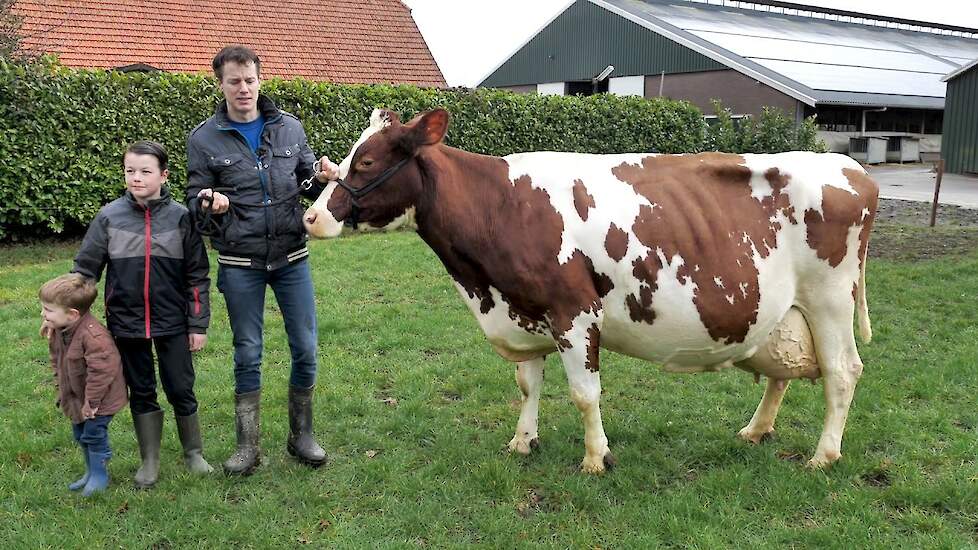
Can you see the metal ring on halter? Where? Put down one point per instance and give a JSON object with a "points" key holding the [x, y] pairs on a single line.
{"points": [[316, 168]]}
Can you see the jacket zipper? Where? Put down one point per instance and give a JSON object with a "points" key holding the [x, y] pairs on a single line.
{"points": [[261, 175], [149, 241]]}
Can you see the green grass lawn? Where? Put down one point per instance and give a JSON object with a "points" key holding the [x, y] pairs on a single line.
{"points": [[415, 410]]}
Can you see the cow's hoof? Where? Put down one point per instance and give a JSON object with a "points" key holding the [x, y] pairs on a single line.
{"points": [[820, 461], [523, 446], [591, 466], [755, 437]]}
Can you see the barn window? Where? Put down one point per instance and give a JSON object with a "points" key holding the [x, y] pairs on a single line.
{"points": [[585, 87]]}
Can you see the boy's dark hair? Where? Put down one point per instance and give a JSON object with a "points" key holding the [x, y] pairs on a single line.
{"points": [[70, 291], [234, 53], [146, 147]]}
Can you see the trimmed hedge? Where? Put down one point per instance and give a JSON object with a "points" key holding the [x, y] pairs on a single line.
{"points": [[63, 131], [771, 132]]}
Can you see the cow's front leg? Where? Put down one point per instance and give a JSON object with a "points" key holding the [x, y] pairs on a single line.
{"points": [[579, 352], [761, 425], [529, 378]]}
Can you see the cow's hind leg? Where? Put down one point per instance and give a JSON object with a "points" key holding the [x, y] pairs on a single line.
{"points": [[529, 378], [838, 359], [761, 425], [579, 349]]}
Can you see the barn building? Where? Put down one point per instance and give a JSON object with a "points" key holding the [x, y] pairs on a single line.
{"points": [[861, 75], [960, 144]]}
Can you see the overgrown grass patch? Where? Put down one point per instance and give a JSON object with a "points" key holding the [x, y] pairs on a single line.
{"points": [[415, 410]]}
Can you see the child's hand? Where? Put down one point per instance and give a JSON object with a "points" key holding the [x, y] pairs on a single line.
{"points": [[197, 341], [46, 331], [88, 412]]}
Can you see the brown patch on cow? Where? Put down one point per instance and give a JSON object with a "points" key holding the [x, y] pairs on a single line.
{"points": [[582, 199], [640, 308], [865, 186], [616, 243], [510, 240], [602, 283], [593, 348], [704, 213], [841, 211]]}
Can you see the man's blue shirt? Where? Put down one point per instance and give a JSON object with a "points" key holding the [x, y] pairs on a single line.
{"points": [[251, 131]]}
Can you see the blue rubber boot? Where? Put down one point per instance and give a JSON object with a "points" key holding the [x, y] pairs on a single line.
{"points": [[80, 482], [98, 473]]}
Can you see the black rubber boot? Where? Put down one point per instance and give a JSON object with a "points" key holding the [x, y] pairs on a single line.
{"points": [[193, 449], [301, 443], [247, 457], [149, 432]]}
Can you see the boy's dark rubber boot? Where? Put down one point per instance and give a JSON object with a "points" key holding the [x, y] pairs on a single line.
{"points": [[247, 427], [149, 432], [193, 455]]}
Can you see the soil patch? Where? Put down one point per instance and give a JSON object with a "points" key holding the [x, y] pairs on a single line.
{"points": [[902, 231]]}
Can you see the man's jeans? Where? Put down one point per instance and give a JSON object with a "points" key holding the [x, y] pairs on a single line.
{"points": [[244, 293]]}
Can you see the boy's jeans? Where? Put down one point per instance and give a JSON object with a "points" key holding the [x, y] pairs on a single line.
{"points": [[244, 293], [93, 434]]}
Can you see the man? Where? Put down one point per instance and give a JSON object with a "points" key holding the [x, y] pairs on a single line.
{"points": [[246, 165]]}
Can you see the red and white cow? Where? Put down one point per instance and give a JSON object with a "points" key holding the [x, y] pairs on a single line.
{"points": [[697, 262]]}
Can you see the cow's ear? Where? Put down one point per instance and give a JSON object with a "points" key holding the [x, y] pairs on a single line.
{"points": [[391, 117], [426, 129]]}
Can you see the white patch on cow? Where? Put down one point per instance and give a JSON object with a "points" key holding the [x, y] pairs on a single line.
{"points": [[615, 201], [378, 121], [506, 336], [718, 281], [807, 172], [405, 219], [327, 226], [759, 186]]}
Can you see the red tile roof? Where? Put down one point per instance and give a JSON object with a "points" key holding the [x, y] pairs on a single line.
{"points": [[345, 41]]}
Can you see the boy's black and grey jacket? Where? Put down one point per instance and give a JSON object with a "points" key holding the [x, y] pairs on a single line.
{"points": [[263, 228], [157, 280]]}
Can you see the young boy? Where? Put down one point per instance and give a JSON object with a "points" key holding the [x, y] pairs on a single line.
{"points": [[156, 295], [87, 371]]}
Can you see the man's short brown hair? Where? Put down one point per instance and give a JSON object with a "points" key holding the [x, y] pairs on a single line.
{"points": [[234, 53], [70, 291]]}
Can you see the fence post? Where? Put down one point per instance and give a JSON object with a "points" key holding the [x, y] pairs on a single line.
{"points": [[937, 191]]}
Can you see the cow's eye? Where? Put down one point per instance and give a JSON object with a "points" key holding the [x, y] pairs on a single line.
{"points": [[366, 163]]}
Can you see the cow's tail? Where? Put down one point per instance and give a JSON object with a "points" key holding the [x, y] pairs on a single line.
{"points": [[862, 308]]}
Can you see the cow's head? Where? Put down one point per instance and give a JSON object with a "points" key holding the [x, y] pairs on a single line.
{"points": [[380, 179]]}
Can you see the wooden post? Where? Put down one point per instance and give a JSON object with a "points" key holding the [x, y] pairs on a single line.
{"points": [[937, 191]]}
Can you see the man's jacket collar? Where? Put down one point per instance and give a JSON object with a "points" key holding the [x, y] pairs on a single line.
{"points": [[266, 107]]}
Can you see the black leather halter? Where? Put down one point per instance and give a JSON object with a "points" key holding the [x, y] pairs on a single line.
{"points": [[360, 192]]}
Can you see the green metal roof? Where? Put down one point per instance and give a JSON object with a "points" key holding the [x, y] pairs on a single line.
{"points": [[583, 40]]}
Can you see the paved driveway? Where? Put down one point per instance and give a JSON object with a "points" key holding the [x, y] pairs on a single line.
{"points": [[915, 182]]}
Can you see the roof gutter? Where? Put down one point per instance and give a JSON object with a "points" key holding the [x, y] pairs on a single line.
{"points": [[708, 52], [957, 72]]}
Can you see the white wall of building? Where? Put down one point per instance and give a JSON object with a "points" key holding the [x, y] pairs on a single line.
{"points": [[627, 85], [551, 88]]}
